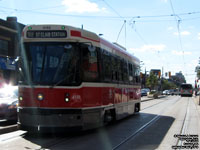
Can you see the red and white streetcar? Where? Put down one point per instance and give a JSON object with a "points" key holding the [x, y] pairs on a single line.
{"points": [[72, 78]]}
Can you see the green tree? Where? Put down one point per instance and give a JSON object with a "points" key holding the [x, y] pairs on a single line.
{"points": [[166, 85], [152, 81], [198, 74]]}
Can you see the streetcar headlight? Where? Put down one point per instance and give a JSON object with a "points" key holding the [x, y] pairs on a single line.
{"points": [[40, 97], [67, 97], [20, 98]]}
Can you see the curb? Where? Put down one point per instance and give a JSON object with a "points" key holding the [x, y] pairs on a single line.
{"points": [[153, 98], [8, 129], [197, 102]]}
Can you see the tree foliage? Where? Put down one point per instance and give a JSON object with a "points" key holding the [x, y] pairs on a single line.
{"points": [[152, 81], [166, 85], [198, 74]]}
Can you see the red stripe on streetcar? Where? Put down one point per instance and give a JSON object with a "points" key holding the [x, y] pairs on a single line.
{"points": [[75, 33], [78, 34], [106, 43]]}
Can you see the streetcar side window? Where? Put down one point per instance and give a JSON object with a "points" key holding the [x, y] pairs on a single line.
{"points": [[137, 74], [130, 67], [125, 71], [107, 66], [89, 63], [119, 69], [114, 68]]}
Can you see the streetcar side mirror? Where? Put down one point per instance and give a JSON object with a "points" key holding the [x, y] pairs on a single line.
{"points": [[67, 46], [91, 48]]}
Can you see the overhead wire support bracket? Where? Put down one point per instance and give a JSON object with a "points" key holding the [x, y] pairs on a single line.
{"points": [[121, 30]]}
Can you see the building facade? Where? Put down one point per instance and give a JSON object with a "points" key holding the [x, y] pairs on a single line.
{"points": [[10, 34]]}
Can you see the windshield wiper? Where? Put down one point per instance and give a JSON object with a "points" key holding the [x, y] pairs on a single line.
{"points": [[73, 74], [60, 81], [43, 63]]}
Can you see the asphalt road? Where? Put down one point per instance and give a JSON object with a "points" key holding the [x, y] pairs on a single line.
{"points": [[159, 125]]}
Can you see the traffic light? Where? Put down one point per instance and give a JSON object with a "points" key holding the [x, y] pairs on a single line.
{"points": [[159, 74], [166, 74], [169, 74], [141, 75]]}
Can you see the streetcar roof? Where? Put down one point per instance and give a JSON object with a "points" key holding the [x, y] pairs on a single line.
{"points": [[82, 35]]}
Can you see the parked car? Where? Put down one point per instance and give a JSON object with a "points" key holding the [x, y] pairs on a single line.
{"points": [[177, 92], [171, 92], [144, 92], [147, 89], [165, 92], [198, 93], [8, 102]]}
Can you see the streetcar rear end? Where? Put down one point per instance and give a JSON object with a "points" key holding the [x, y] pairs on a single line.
{"points": [[186, 90]]}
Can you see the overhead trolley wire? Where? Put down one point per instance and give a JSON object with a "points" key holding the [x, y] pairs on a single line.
{"points": [[133, 25], [121, 30], [178, 21], [124, 24], [112, 9], [139, 18]]}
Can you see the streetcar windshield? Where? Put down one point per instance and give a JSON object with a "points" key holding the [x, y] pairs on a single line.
{"points": [[51, 64]]}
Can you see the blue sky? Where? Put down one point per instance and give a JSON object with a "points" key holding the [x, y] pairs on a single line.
{"points": [[161, 33]]}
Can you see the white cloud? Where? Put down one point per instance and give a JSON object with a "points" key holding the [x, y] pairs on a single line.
{"points": [[183, 33], [149, 48], [199, 36], [81, 6], [170, 28], [181, 53]]}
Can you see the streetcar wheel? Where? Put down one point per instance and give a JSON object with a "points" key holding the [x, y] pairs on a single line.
{"points": [[109, 116], [137, 107]]}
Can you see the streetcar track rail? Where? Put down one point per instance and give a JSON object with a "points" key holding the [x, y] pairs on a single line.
{"points": [[184, 126], [185, 123], [157, 117], [138, 131]]}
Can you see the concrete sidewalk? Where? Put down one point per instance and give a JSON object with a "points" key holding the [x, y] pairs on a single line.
{"points": [[197, 102], [7, 129]]}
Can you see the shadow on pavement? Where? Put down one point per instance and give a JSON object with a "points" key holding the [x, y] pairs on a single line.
{"points": [[111, 135], [4, 123]]}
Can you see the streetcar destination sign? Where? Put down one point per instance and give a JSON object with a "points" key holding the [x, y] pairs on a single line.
{"points": [[46, 34]]}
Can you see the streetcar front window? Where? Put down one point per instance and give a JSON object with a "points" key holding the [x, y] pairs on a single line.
{"points": [[53, 64]]}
